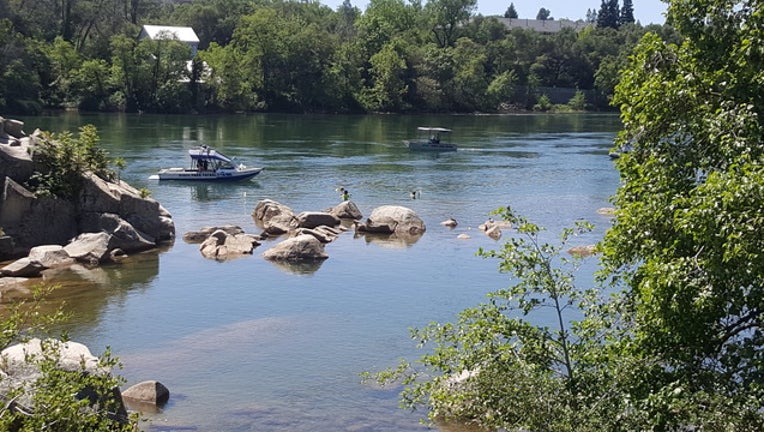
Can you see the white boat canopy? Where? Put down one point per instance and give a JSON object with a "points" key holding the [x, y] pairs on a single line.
{"points": [[433, 129], [205, 152]]}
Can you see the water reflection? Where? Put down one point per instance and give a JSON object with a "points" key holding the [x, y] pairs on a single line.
{"points": [[208, 192], [298, 268], [392, 241], [87, 291]]}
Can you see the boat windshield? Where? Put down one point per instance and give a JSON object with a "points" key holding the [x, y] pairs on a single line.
{"points": [[210, 164], [205, 158]]}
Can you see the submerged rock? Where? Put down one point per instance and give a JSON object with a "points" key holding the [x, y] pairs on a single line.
{"points": [[583, 251]]}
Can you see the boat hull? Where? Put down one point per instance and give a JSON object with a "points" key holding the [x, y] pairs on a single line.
{"points": [[429, 146], [196, 175]]}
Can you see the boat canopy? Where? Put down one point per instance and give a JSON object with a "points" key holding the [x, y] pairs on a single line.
{"points": [[205, 152], [432, 129]]}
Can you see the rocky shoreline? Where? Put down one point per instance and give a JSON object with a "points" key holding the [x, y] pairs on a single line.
{"points": [[105, 220]]}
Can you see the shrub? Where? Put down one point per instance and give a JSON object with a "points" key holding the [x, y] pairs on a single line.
{"points": [[58, 400], [578, 101], [62, 160], [543, 104]]}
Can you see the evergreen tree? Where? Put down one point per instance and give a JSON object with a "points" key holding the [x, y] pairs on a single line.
{"points": [[602, 15], [615, 12], [609, 14], [511, 12], [591, 16], [627, 13]]}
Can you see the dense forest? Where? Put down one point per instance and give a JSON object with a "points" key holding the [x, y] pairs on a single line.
{"points": [[302, 56]]}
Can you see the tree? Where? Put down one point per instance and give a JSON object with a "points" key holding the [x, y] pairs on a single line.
{"points": [[232, 80], [383, 21], [685, 236], [679, 343], [468, 87], [342, 80], [511, 12], [348, 16], [544, 14], [495, 367], [447, 17], [287, 56], [212, 21], [64, 61], [606, 76], [136, 10], [388, 89], [21, 71], [609, 14], [435, 73], [166, 90], [591, 16], [93, 87], [561, 64], [129, 72], [543, 104], [501, 88], [627, 13]]}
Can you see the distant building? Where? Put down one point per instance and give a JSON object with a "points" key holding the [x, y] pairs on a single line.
{"points": [[543, 26], [186, 35]]}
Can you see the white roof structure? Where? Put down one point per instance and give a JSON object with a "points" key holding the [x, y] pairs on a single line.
{"points": [[543, 26], [183, 34], [186, 35]]}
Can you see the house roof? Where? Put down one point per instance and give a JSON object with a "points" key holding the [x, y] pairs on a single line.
{"points": [[183, 34]]}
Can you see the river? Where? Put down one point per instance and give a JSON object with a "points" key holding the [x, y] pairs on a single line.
{"points": [[247, 345]]}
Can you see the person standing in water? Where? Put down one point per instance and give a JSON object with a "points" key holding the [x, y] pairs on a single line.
{"points": [[344, 194]]}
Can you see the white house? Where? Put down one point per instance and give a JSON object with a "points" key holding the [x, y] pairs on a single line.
{"points": [[186, 35]]}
